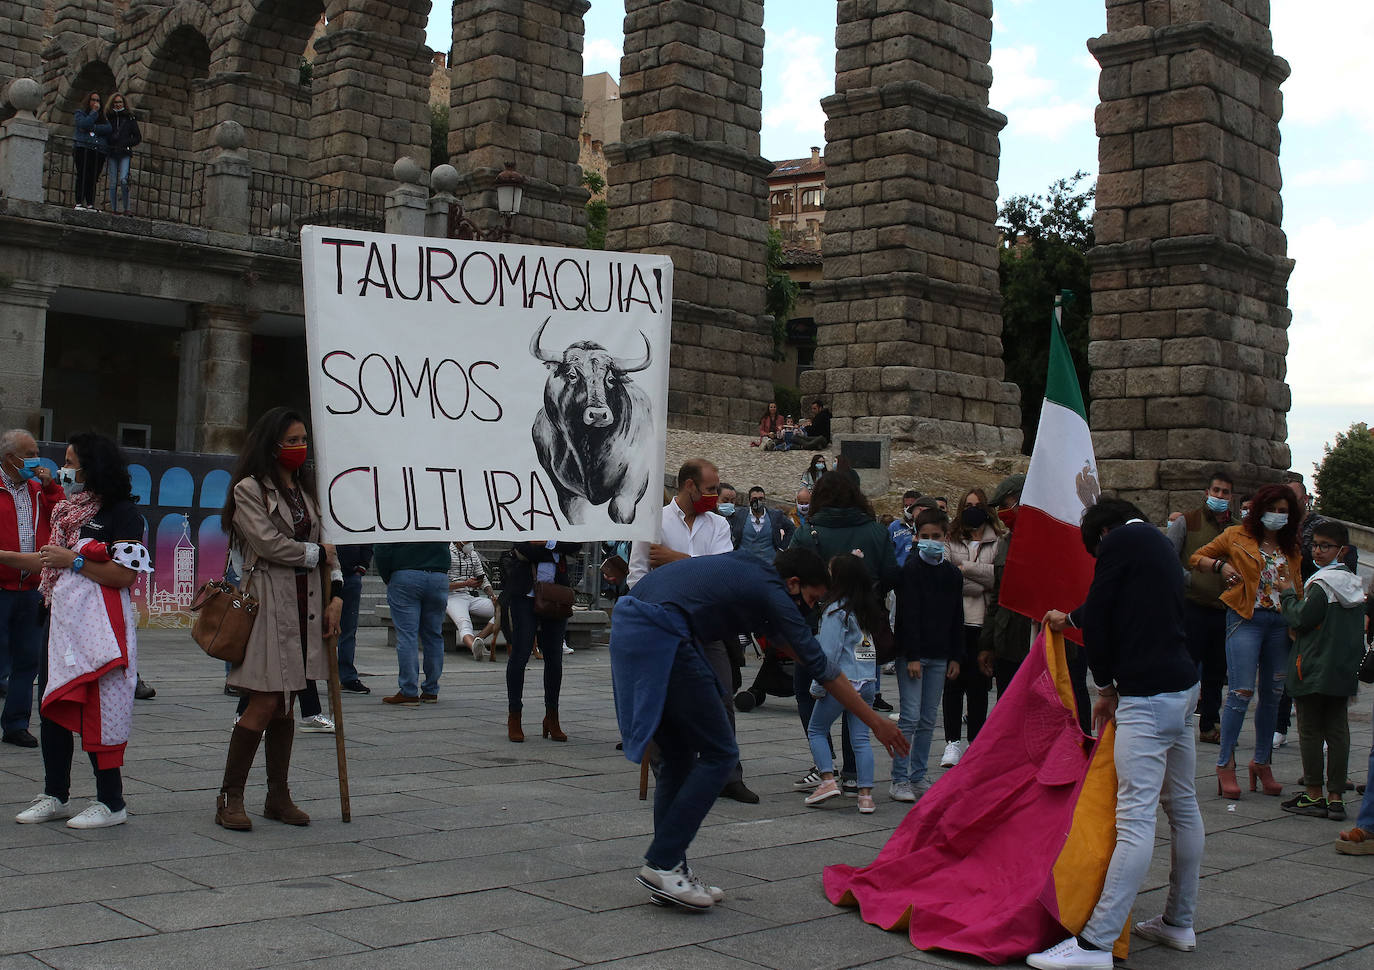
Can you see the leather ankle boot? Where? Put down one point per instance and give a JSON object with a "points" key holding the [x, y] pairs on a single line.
{"points": [[229, 810], [551, 728], [513, 729], [1264, 775], [277, 742], [1226, 781]]}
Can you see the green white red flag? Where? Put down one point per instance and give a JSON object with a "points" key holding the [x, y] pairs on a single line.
{"points": [[1047, 566]]}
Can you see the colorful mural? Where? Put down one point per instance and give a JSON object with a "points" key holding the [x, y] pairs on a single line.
{"points": [[180, 496]]}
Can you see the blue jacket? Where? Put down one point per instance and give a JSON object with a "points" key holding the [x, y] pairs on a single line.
{"points": [[902, 536], [841, 639], [91, 130]]}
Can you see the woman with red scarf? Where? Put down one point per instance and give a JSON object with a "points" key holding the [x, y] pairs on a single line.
{"points": [[88, 675], [273, 516]]}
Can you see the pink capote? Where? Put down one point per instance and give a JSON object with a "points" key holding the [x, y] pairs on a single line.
{"points": [[970, 869]]}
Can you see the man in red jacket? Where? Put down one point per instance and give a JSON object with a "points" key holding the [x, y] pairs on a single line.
{"points": [[26, 504]]}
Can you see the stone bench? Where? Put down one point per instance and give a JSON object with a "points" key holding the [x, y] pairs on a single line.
{"points": [[586, 629]]}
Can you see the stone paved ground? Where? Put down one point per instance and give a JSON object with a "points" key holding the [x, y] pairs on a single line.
{"points": [[468, 851]]}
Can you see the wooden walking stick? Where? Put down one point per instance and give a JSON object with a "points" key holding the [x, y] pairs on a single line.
{"points": [[331, 653]]}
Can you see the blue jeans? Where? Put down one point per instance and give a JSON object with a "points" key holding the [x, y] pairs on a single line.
{"points": [[21, 639], [524, 626], [117, 175], [1259, 643], [417, 600], [1365, 820], [801, 688], [697, 751], [921, 699], [1155, 764], [824, 714], [348, 627]]}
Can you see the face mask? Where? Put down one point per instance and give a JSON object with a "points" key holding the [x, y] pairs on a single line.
{"points": [[1274, 521], [1217, 504], [757, 505], [974, 516], [66, 477], [705, 504], [931, 550], [28, 467], [467, 548], [726, 508], [1008, 517], [803, 508], [909, 513], [292, 457], [1245, 513], [818, 467]]}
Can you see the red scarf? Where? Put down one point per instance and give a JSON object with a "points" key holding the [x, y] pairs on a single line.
{"points": [[68, 519]]}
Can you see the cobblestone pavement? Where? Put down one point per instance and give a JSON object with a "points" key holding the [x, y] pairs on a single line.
{"points": [[468, 851]]}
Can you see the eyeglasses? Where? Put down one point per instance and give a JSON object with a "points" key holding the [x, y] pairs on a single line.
{"points": [[1324, 546]]}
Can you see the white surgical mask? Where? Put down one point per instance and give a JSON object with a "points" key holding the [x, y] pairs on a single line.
{"points": [[1274, 521]]}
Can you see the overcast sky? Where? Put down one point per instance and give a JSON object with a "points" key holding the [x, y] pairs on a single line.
{"points": [[1046, 83]]}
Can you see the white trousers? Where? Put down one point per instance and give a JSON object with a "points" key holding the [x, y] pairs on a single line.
{"points": [[463, 609]]}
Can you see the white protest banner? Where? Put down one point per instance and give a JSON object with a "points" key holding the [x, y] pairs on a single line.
{"points": [[472, 390]]}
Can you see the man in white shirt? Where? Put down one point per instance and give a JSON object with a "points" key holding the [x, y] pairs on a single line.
{"points": [[690, 527]]}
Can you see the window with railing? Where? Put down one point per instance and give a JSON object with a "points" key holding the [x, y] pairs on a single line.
{"points": [[165, 187], [812, 199], [281, 204], [781, 202]]}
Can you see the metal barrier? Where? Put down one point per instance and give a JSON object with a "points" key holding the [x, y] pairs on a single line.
{"points": [[163, 187], [278, 205]]}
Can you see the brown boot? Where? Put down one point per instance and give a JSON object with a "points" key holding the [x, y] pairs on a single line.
{"points": [[243, 748], [281, 732], [513, 729], [551, 728]]}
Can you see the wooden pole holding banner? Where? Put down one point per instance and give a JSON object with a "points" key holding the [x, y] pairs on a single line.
{"points": [[331, 654]]}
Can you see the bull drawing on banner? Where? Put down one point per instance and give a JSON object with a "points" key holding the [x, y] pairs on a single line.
{"points": [[594, 430]]}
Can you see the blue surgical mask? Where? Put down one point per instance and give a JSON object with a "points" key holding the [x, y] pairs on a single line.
{"points": [[726, 508], [1274, 521], [1217, 504], [931, 550], [30, 468]]}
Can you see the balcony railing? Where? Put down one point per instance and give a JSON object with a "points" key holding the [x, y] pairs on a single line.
{"points": [[278, 205], [164, 187]]}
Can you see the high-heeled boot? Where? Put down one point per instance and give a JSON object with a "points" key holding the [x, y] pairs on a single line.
{"points": [[229, 810], [1227, 787], [277, 743], [551, 728], [513, 729], [1265, 776]]}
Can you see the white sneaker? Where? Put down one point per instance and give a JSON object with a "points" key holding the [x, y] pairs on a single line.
{"points": [[717, 894], [45, 808], [97, 816], [900, 791], [479, 648], [895, 716], [675, 886], [566, 648], [951, 756], [1070, 956], [319, 724], [1280, 739], [1175, 937]]}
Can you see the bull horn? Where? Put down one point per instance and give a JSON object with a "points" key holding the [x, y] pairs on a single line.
{"points": [[534, 345], [630, 368]]}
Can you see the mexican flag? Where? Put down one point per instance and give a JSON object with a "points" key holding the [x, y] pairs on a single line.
{"points": [[1047, 566]]}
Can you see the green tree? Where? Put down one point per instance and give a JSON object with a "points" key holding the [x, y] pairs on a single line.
{"points": [[1045, 243], [438, 135], [780, 292], [1345, 477], [597, 213]]}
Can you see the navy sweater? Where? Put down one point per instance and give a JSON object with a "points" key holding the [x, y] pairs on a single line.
{"points": [[930, 610]]}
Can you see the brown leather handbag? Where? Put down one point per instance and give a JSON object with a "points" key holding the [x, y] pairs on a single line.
{"points": [[224, 617], [552, 601]]}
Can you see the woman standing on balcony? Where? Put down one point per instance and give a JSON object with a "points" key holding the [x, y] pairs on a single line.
{"points": [[120, 141], [88, 149]]}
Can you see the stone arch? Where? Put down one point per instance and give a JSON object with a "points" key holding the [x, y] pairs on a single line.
{"points": [[165, 96], [95, 66], [269, 38]]}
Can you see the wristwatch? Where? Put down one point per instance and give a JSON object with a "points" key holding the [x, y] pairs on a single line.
{"points": [[77, 563]]}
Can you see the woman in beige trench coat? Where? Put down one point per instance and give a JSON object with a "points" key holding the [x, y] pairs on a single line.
{"points": [[274, 520]]}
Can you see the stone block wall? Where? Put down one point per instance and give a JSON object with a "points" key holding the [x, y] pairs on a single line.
{"points": [[687, 180], [516, 96], [22, 41], [1190, 328], [909, 326]]}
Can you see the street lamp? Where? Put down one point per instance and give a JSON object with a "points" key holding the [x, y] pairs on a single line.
{"points": [[510, 193]]}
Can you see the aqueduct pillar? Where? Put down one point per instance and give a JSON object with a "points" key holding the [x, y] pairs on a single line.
{"points": [[909, 315], [687, 180], [1190, 325]]}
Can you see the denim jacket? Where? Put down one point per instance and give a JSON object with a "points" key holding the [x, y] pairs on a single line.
{"points": [[91, 130], [841, 639]]}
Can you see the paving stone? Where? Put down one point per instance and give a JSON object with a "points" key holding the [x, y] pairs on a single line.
{"points": [[244, 904], [397, 924], [1280, 881], [477, 952], [1333, 918], [37, 929], [678, 958], [470, 842], [94, 885], [596, 937], [825, 946], [294, 862], [250, 945], [1240, 946], [426, 879]]}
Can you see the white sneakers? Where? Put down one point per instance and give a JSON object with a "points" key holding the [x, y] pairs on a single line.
{"points": [[566, 648], [1175, 937], [318, 724], [46, 808], [479, 648], [1280, 739], [678, 886], [952, 754], [900, 791], [1070, 956]]}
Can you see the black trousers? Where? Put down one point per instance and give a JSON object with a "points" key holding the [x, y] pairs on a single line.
{"points": [[58, 748], [88, 162], [1205, 630], [970, 683]]}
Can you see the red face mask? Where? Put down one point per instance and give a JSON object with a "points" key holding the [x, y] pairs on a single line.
{"points": [[1008, 516], [292, 457], [707, 503]]}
